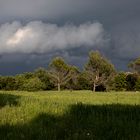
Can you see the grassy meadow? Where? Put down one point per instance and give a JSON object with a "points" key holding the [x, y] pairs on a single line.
{"points": [[76, 115]]}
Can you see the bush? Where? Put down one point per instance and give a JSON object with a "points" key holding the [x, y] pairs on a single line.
{"points": [[7, 83], [33, 84], [120, 82], [44, 77], [137, 86], [131, 80]]}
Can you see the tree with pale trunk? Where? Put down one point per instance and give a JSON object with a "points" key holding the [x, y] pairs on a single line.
{"points": [[60, 72], [98, 69]]}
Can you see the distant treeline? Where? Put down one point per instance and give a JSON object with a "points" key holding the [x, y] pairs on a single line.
{"points": [[99, 74]]}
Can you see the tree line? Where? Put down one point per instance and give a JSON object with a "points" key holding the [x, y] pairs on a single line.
{"points": [[99, 74]]}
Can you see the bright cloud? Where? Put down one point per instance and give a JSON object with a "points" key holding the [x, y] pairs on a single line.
{"points": [[44, 37], [19, 36]]}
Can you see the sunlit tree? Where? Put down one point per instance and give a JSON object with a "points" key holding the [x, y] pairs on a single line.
{"points": [[98, 69]]}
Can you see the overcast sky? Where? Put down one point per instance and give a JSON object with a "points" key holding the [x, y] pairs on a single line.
{"points": [[32, 32]]}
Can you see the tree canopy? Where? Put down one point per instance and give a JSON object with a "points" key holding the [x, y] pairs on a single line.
{"points": [[98, 69], [135, 65], [59, 71]]}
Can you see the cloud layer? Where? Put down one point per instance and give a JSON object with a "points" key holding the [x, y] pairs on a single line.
{"points": [[26, 45], [39, 37], [126, 38]]}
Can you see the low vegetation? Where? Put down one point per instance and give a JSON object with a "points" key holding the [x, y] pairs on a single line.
{"points": [[77, 115]]}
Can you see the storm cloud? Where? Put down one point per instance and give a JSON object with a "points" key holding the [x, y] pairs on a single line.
{"points": [[34, 31]]}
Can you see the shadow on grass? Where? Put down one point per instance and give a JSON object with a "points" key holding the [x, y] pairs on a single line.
{"points": [[80, 122], [8, 99]]}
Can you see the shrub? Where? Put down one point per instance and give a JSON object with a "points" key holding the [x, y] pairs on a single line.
{"points": [[33, 84], [120, 82], [137, 86], [131, 80]]}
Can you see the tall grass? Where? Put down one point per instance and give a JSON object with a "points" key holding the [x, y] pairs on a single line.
{"points": [[77, 115]]}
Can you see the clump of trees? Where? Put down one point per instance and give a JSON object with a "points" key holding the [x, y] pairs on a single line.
{"points": [[99, 74], [125, 81]]}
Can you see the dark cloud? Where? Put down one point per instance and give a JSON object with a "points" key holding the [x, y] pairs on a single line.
{"points": [[120, 27], [108, 11]]}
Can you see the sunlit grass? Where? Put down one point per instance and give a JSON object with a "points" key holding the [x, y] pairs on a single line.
{"points": [[27, 110]]}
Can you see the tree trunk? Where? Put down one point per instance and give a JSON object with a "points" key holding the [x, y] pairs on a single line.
{"points": [[94, 87], [59, 88]]}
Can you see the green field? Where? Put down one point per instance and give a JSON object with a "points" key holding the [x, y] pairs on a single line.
{"points": [[77, 115]]}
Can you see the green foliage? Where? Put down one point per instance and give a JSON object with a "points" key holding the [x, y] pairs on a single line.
{"points": [[99, 74], [120, 82], [44, 77], [124, 82], [83, 82], [131, 80], [98, 69], [72, 82], [135, 65], [59, 72], [28, 75], [7, 83], [98, 63], [58, 64], [39, 80], [19, 81], [33, 84], [137, 85]]}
